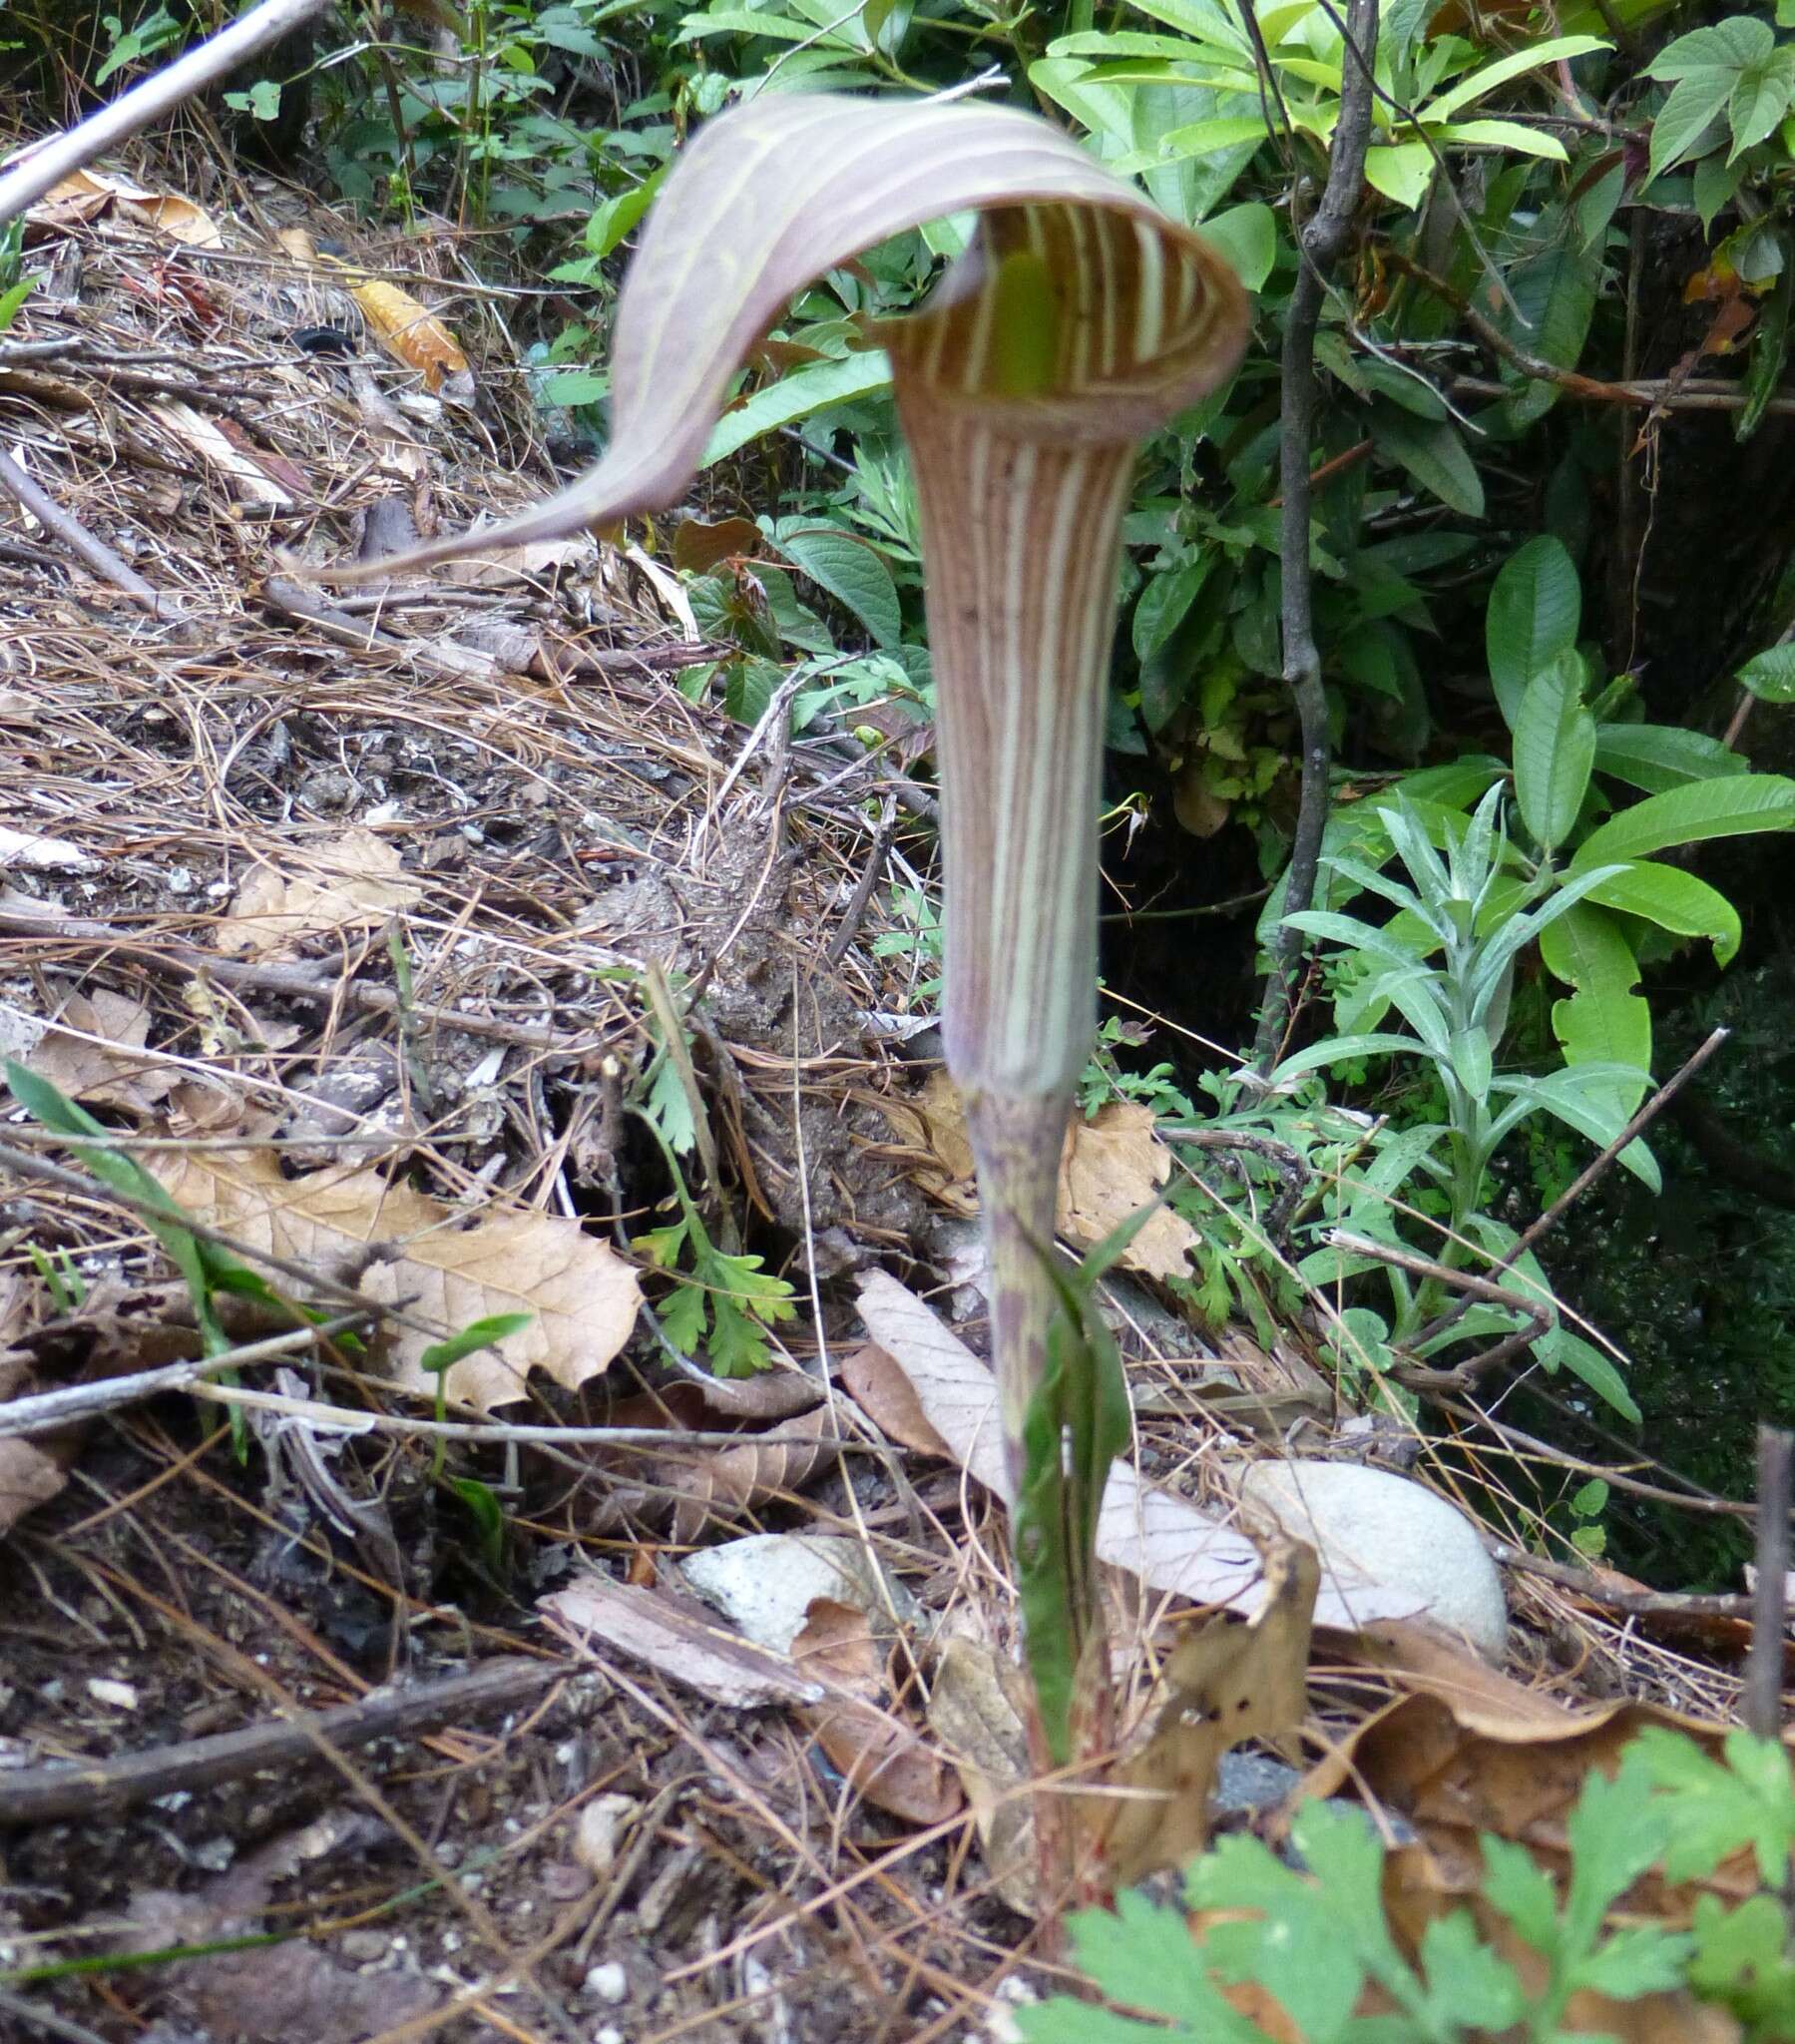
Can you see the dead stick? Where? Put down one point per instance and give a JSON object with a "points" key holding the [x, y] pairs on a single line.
{"points": [[158, 94], [294, 981], [86, 1789], [1761, 1704], [48, 1411], [1628, 1603], [75, 536]]}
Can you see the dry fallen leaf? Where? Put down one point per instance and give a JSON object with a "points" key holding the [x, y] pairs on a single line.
{"points": [[675, 1636], [875, 1751], [886, 1396], [103, 1072], [1112, 1166], [1227, 1682], [85, 195], [717, 1486], [35, 852], [540, 560], [32, 1470], [582, 1295], [980, 1725], [225, 452], [414, 335], [1171, 1545], [352, 883]]}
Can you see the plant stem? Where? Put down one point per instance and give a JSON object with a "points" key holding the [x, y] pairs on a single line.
{"points": [[1024, 598], [1320, 244]]}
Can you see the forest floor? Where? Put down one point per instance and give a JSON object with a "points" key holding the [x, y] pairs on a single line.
{"points": [[393, 933]]}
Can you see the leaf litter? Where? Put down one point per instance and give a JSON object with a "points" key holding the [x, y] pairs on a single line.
{"points": [[346, 916]]}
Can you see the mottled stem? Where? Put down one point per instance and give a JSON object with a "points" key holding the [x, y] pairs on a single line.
{"points": [[1022, 542]]}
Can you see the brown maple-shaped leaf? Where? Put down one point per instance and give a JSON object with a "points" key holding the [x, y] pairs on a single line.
{"points": [[356, 881], [581, 1295]]}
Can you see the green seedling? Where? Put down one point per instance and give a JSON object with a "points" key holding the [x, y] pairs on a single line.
{"points": [[725, 1304], [441, 1357], [1315, 1940]]}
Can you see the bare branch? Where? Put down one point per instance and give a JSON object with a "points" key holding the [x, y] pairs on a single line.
{"points": [[1323, 241], [158, 94]]}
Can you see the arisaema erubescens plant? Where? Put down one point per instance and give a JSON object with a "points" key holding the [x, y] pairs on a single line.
{"points": [[1077, 320]]}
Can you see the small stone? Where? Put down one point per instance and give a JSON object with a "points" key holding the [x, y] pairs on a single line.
{"points": [[362, 1947], [1387, 1535], [608, 1982]]}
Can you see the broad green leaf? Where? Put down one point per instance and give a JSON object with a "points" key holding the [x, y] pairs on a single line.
{"points": [[1731, 45], [1555, 750], [1435, 456], [1337, 1050], [1295, 1939], [1470, 1060], [1145, 1956], [1555, 292], [1770, 675], [1614, 1830], [1467, 1983], [1694, 106], [619, 216], [1581, 1096], [1641, 1959], [477, 1335], [852, 571], [1714, 1810], [1166, 601], [1735, 806], [1508, 135], [1560, 1348], [1584, 947], [1536, 607], [745, 21], [807, 391], [1760, 99], [1717, 184], [1604, 1021], [1676, 902], [1199, 137], [1401, 171], [1248, 236], [1107, 43], [1770, 338], [1657, 757], [1535, 57]]}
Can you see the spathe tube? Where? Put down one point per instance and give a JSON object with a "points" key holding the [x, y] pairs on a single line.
{"points": [[1078, 321]]}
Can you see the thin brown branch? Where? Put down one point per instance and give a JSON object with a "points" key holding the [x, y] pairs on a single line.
{"points": [[88, 1789], [1617, 1479], [1322, 242], [1464, 1374], [76, 537], [48, 1411], [1761, 1705], [1644, 394], [143, 104], [297, 982], [1627, 1603]]}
